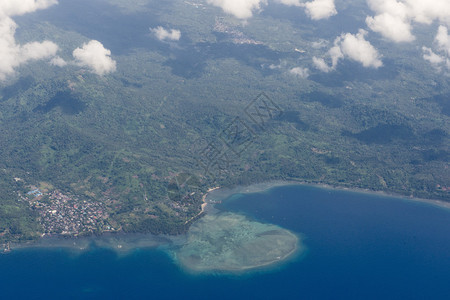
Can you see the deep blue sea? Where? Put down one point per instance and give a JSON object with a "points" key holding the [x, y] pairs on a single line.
{"points": [[360, 246]]}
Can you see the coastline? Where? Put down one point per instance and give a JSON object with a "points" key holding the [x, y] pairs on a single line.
{"points": [[218, 194], [203, 205], [212, 196], [121, 243]]}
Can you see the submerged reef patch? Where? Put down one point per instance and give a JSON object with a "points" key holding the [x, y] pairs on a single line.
{"points": [[231, 242]]}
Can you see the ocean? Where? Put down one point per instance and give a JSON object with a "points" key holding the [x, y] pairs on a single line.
{"points": [[358, 246]]}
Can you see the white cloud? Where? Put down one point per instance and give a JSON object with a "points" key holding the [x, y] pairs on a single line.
{"points": [[391, 27], [443, 40], [241, 9], [352, 46], [290, 2], [394, 19], [36, 50], [316, 9], [335, 53], [319, 44], [300, 72], [440, 57], [21, 7], [96, 57], [286, 66], [320, 9], [244, 9], [432, 57], [58, 61], [426, 11], [13, 55], [358, 49], [320, 64], [164, 34]]}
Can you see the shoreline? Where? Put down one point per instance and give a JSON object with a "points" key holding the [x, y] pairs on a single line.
{"points": [[205, 195], [212, 196], [203, 205], [119, 242], [224, 192]]}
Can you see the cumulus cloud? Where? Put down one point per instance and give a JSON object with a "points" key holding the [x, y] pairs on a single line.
{"points": [[317, 9], [432, 57], [164, 34], [320, 9], [320, 64], [394, 19], [15, 7], [244, 9], [241, 9], [357, 48], [336, 53], [290, 2], [443, 40], [58, 61], [391, 27], [352, 46], [95, 57], [300, 72], [36, 50], [286, 66], [13, 55], [442, 47]]}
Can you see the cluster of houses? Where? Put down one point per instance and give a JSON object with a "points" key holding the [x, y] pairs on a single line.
{"points": [[68, 215]]}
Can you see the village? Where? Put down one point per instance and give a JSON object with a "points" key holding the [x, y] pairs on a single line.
{"points": [[61, 214]]}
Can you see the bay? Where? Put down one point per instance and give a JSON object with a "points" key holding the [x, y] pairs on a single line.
{"points": [[357, 246]]}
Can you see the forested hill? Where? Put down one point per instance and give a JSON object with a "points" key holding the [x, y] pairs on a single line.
{"points": [[135, 150]]}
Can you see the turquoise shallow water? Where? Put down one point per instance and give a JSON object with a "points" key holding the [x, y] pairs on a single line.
{"points": [[359, 247]]}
